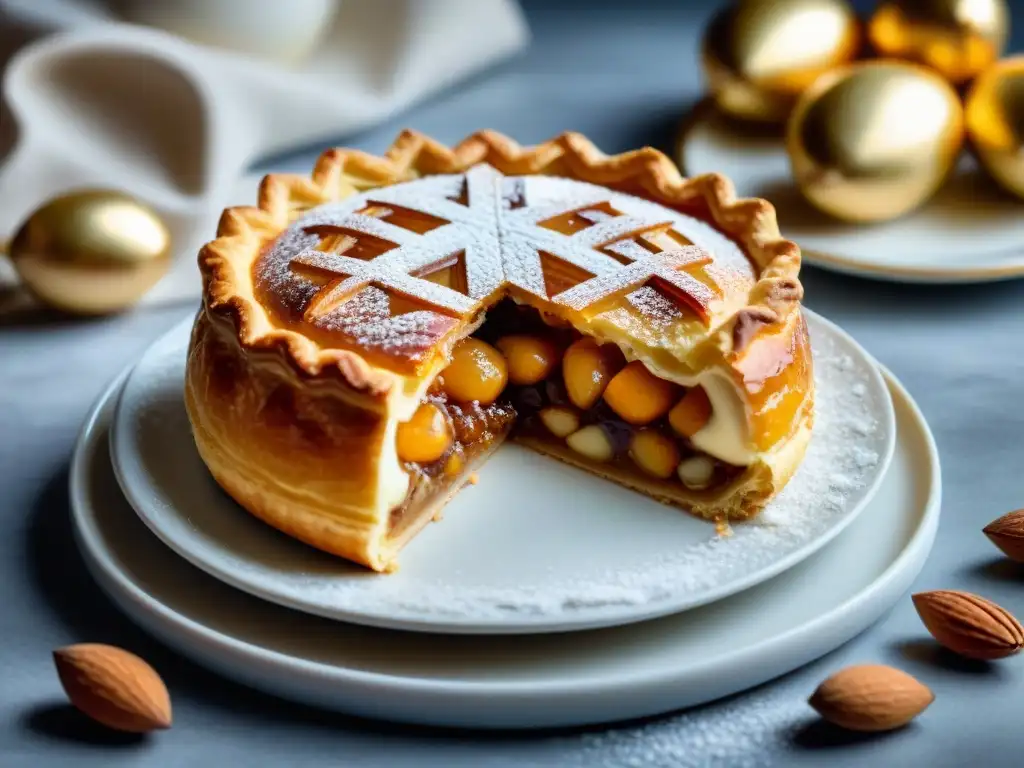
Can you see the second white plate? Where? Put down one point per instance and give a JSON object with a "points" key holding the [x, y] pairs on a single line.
{"points": [[537, 546], [968, 232]]}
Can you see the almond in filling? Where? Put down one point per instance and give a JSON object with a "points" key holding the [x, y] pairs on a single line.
{"points": [[551, 383]]}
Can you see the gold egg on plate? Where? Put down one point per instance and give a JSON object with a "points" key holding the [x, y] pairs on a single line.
{"points": [[91, 252], [874, 140], [959, 38], [760, 55], [995, 122]]}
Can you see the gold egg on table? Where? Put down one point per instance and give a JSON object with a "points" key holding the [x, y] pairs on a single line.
{"points": [[995, 122], [874, 140], [91, 252], [760, 55], [959, 38]]}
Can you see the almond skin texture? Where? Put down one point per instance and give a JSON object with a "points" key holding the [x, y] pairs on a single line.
{"points": [[871, 697], [113, 687], [969, 625], [1007, 533]]}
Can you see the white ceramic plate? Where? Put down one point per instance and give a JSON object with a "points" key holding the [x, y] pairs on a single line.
{"points": [[968, 232], [537, 546], [527, 681]]}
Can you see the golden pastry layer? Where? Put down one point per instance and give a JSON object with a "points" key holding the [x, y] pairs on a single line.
{"points": [[623, 319]]}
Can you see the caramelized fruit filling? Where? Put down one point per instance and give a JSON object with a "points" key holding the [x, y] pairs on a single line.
{"points": [[444, 437], [555, 384]]}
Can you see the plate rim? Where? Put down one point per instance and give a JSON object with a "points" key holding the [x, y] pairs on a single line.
{"points": [[844, 265], [211, 647], [530, 624]]}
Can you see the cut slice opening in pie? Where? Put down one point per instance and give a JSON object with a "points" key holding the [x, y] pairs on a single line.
{"points": [[371, 334]]}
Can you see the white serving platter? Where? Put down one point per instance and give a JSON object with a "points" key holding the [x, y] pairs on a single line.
{"points": [[525, 681]]}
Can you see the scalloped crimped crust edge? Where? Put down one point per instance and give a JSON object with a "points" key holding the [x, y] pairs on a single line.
{"points": [[243, 230]]}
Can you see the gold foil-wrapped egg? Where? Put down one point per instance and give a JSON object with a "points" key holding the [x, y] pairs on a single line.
{"points": [[873, 141], [959, 38], [91, 252], [995, 122], [760, 55]]}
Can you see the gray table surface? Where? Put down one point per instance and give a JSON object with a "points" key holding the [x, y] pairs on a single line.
{"points": [[623, 73]]}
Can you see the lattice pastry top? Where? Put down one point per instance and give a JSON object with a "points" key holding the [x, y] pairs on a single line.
{"points": [[388, 259]]}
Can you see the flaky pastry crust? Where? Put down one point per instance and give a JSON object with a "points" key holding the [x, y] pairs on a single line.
{"points": [[298, 432]]}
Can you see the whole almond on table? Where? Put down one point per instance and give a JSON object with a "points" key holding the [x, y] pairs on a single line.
{"points": [[1007, 533], [871, 697], [969, 625], [113, 687]]}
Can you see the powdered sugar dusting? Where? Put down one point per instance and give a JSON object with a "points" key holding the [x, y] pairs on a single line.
{"points": [[668, 266], [368, 321], [653, 306], [747, 732], [729, 261], [498, 234]]}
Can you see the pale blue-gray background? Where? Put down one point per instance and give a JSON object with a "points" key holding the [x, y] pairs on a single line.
{"points": [[623, 73]]}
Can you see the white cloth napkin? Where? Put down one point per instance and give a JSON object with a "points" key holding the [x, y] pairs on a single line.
{"points": [[110, 104]]}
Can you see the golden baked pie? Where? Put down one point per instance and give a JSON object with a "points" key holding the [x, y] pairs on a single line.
{"points": [[370, 335]]}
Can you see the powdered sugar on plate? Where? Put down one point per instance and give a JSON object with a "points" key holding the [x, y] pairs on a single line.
{"points": [[536, 546], [740, 733]]}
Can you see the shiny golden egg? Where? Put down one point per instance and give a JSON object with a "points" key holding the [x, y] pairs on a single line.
{"points": [[760, 55], [995, 122], [91, 252], [959, 38], [874, 140]]}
